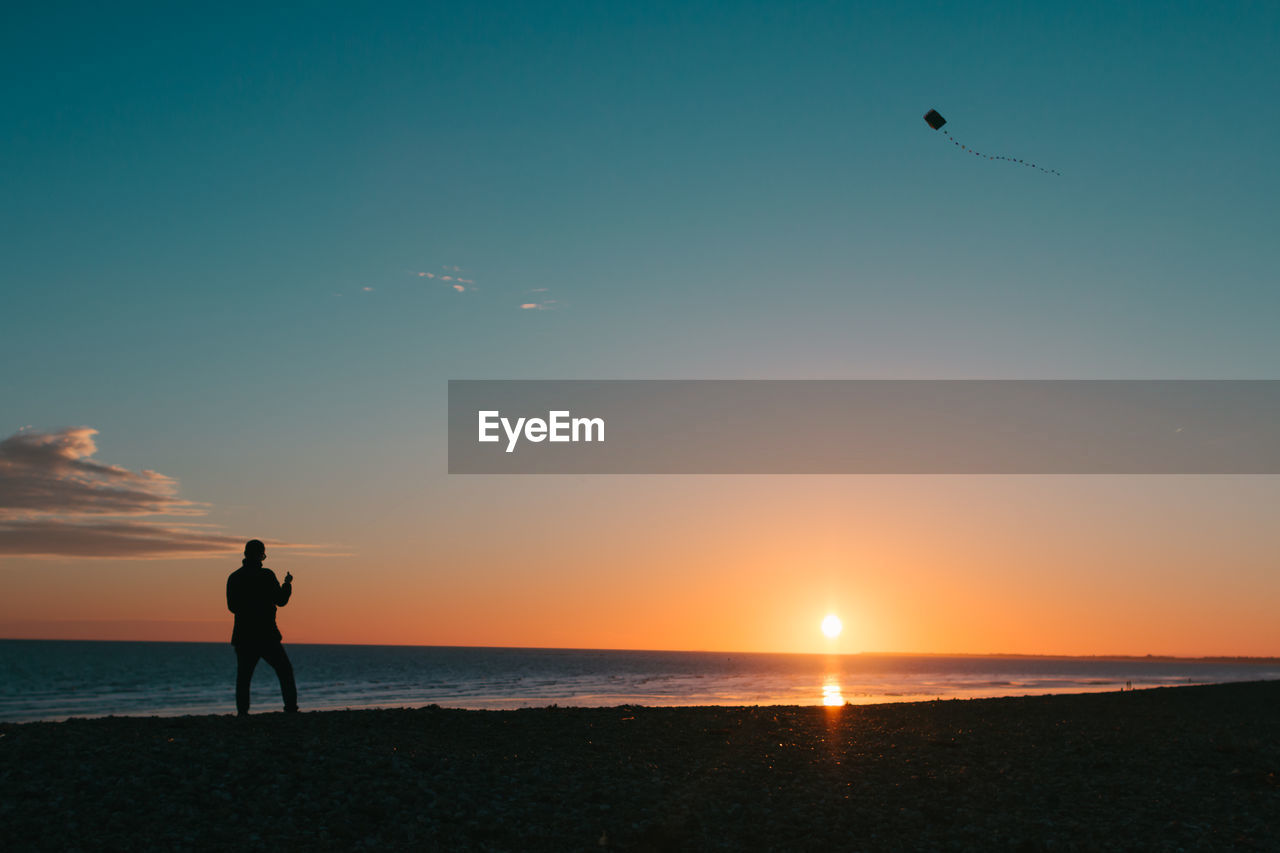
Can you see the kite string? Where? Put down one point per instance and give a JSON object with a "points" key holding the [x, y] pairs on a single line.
{"points": [[1027, 163]]}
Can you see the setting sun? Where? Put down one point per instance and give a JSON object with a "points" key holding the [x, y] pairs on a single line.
{"points": [[832, 626]]}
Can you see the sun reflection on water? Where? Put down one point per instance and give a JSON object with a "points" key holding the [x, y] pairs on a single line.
{"points": [[831, 695]]}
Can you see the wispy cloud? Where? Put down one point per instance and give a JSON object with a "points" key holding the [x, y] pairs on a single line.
{"points": [[539, 303], [535, 300], [56, 500], [53, 473], [52, 537], [455, 282]]}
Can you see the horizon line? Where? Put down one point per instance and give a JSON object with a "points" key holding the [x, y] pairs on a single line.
{"points": [[1036, 655]]}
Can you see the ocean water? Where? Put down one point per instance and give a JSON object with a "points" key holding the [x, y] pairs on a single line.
{"points": [[54, 680]]}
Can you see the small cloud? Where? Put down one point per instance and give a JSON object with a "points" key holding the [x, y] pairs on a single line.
{"points": [[367, 289], [536, 290], [459, 288], [426, 275], [530, 306], [446, 278], [132, 539], [467, 280]]}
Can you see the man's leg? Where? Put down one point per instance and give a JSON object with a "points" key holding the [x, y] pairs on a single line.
{"points": [[274, 655], [246, 663]]}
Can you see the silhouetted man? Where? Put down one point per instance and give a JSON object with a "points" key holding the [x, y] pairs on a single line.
{"points": [[253, 593]]}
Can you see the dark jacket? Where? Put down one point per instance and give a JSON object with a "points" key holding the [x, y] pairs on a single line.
{"points": [[253, 593]]}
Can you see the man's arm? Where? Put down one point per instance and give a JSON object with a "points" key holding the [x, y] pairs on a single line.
{"points": [[286, 590], [232, 604]]}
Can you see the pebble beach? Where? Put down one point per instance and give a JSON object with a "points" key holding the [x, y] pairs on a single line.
{"points": [[1192, 768]]}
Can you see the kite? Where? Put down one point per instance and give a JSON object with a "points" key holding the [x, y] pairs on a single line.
{"points": [[936, 121]]}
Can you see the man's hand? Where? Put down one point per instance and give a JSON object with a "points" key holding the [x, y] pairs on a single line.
{"points": [[288, 577]]}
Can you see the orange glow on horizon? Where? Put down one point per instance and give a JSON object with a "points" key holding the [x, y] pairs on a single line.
{"points": [[938, 565]]}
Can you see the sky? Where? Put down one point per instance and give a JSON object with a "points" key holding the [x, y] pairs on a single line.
{"points": [[243, 250]]}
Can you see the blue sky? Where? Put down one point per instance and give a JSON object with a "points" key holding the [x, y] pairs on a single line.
{"points": [[197, 199]]}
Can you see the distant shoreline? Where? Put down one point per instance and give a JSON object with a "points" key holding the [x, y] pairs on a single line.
{"points": [[1163, 768], [1244, 659]]}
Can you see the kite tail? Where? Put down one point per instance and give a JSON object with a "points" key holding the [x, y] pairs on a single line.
{"points": [[1014, 160]]}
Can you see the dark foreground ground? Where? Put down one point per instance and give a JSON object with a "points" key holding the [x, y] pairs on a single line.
{"points": [[1194, 768]]}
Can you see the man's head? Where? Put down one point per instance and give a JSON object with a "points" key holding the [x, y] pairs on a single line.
{"points": [[255, 550]]}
